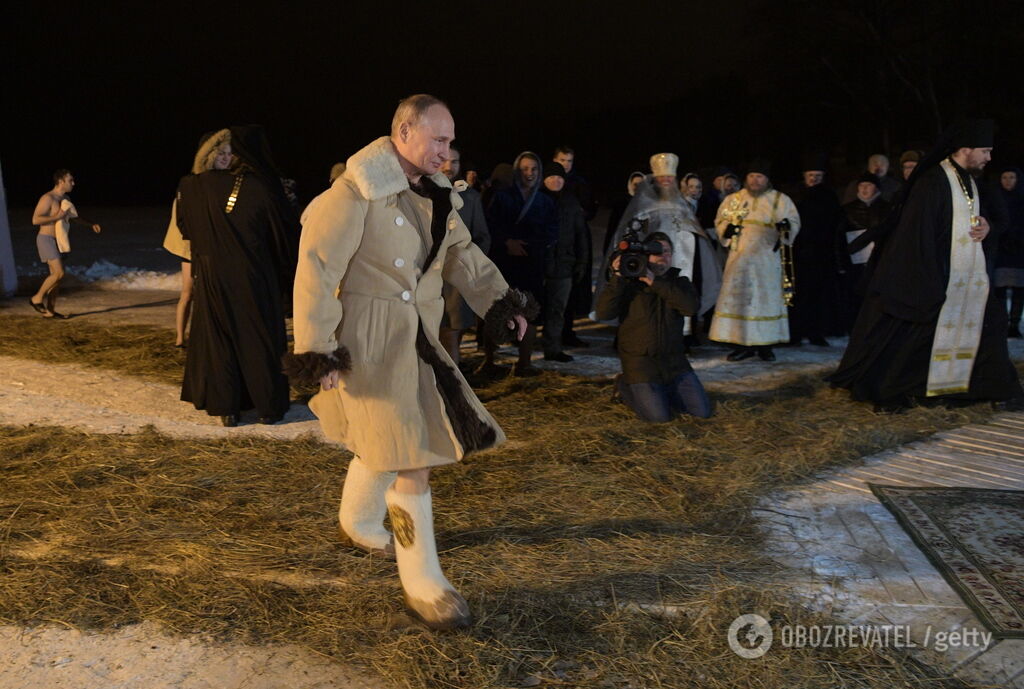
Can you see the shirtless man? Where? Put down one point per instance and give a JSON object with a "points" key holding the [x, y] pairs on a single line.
{"points": [[46, 215]]}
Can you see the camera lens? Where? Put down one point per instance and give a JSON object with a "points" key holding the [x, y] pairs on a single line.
{"points": [[633, 265]]}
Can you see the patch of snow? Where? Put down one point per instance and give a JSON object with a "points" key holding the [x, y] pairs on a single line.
{"points": [[104, 274]]}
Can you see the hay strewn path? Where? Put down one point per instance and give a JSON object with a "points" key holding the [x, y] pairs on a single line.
{"points": [[174, 538], [100, 401], [143, 657], [97, 400]]}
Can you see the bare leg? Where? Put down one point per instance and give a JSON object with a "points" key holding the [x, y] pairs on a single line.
{"points": [[43, 296], [184, 308], [413, 481]]}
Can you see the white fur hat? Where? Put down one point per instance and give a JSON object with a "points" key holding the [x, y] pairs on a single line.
{"points": [[664, 164]]}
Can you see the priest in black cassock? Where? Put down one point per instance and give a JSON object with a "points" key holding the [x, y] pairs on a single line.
{"points": [[930, 329], [814, 255], [244, 248]]}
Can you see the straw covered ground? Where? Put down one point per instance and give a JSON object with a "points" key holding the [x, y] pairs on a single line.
{"points": [[551, 538], [137, 350]]}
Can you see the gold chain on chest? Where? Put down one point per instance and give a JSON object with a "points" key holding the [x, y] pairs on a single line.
{"points": [[233, 198], [963, 188]]}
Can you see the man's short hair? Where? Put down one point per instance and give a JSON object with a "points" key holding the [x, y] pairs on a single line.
{"points": [[563, 149], [660, 237], [411, 109], [59, 175]]}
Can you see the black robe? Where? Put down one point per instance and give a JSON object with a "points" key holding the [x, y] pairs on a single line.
{"points": [[240, 262], [858, 215], [814, 259], [889, 353]]}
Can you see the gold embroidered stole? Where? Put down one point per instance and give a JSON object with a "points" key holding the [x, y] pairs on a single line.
{"points": [[958, 330]]}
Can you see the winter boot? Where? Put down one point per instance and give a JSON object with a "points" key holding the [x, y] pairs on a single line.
{"points": [[428, 595], [362, 510]]}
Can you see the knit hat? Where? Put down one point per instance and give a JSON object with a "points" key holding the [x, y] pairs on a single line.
{"points": [[868, 177], [553, 169], [911, 156]]}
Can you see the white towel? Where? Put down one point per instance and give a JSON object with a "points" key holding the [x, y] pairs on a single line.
{"points": [[64, 225]]}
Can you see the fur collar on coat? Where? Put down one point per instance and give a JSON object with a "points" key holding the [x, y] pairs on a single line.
{"points": [[376, 172]]}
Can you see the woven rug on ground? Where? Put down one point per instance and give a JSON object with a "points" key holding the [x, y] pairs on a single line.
{"points": [[975, 538]]}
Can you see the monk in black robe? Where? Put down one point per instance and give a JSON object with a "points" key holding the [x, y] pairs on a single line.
{"points": [[891, 348], [244, 247], [814, 257]]}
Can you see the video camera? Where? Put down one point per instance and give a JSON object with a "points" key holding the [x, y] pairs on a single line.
{"points": [[633, 252]]}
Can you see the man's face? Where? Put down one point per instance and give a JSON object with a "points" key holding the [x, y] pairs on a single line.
{"points": [[977, 159], [565, 160], [908, 168], [222, 161], [67, 183], [813, 178], [554, 182], [660, 263], [471, 177], [866, 191], [1008, 179], [878, 165], [528, 171], [730, 184], [665, 181], [634, 182], [451, 167], [426, 143], [756, 182], [693, 188]]}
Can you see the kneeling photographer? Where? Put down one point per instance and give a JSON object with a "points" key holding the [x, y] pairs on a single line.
{"points": [[650, 299]]}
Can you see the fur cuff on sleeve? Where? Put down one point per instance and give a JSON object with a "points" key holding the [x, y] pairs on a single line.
{"points": [[308, 368], [514, 303]]}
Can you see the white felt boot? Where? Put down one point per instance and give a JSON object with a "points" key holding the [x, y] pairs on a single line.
{"points": [[362, 509], [428, 595]]}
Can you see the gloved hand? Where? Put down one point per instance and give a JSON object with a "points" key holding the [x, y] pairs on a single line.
{"points": [[782, 227], [730, 232]]}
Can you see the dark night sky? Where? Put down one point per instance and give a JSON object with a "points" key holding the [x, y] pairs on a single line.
{"points": [[120, 92]]}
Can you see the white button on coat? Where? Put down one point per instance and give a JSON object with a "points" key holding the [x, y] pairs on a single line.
{"points": [[399, 221], [406, 295], [399, 262]]}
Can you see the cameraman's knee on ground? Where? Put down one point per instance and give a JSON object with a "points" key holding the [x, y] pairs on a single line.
{"points": [[690, 397]]}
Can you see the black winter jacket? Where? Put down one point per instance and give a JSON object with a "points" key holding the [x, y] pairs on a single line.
{"points": [[650, 338]]}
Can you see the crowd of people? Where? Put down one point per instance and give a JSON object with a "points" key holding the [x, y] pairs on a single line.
{"points": [[410, 247]]}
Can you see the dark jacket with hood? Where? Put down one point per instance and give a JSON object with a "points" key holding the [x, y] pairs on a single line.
{"points": [[531, 217], [1010, 253]]}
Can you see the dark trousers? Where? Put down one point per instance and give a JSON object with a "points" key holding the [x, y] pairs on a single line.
{"points": [[556, 293], [658, 402], [1016, 309]]}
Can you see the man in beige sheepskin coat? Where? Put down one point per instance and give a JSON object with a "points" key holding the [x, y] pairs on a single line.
{"points": [[375, 248]]}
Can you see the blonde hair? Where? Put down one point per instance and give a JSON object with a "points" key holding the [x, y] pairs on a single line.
{"points": [[411, 108]]}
